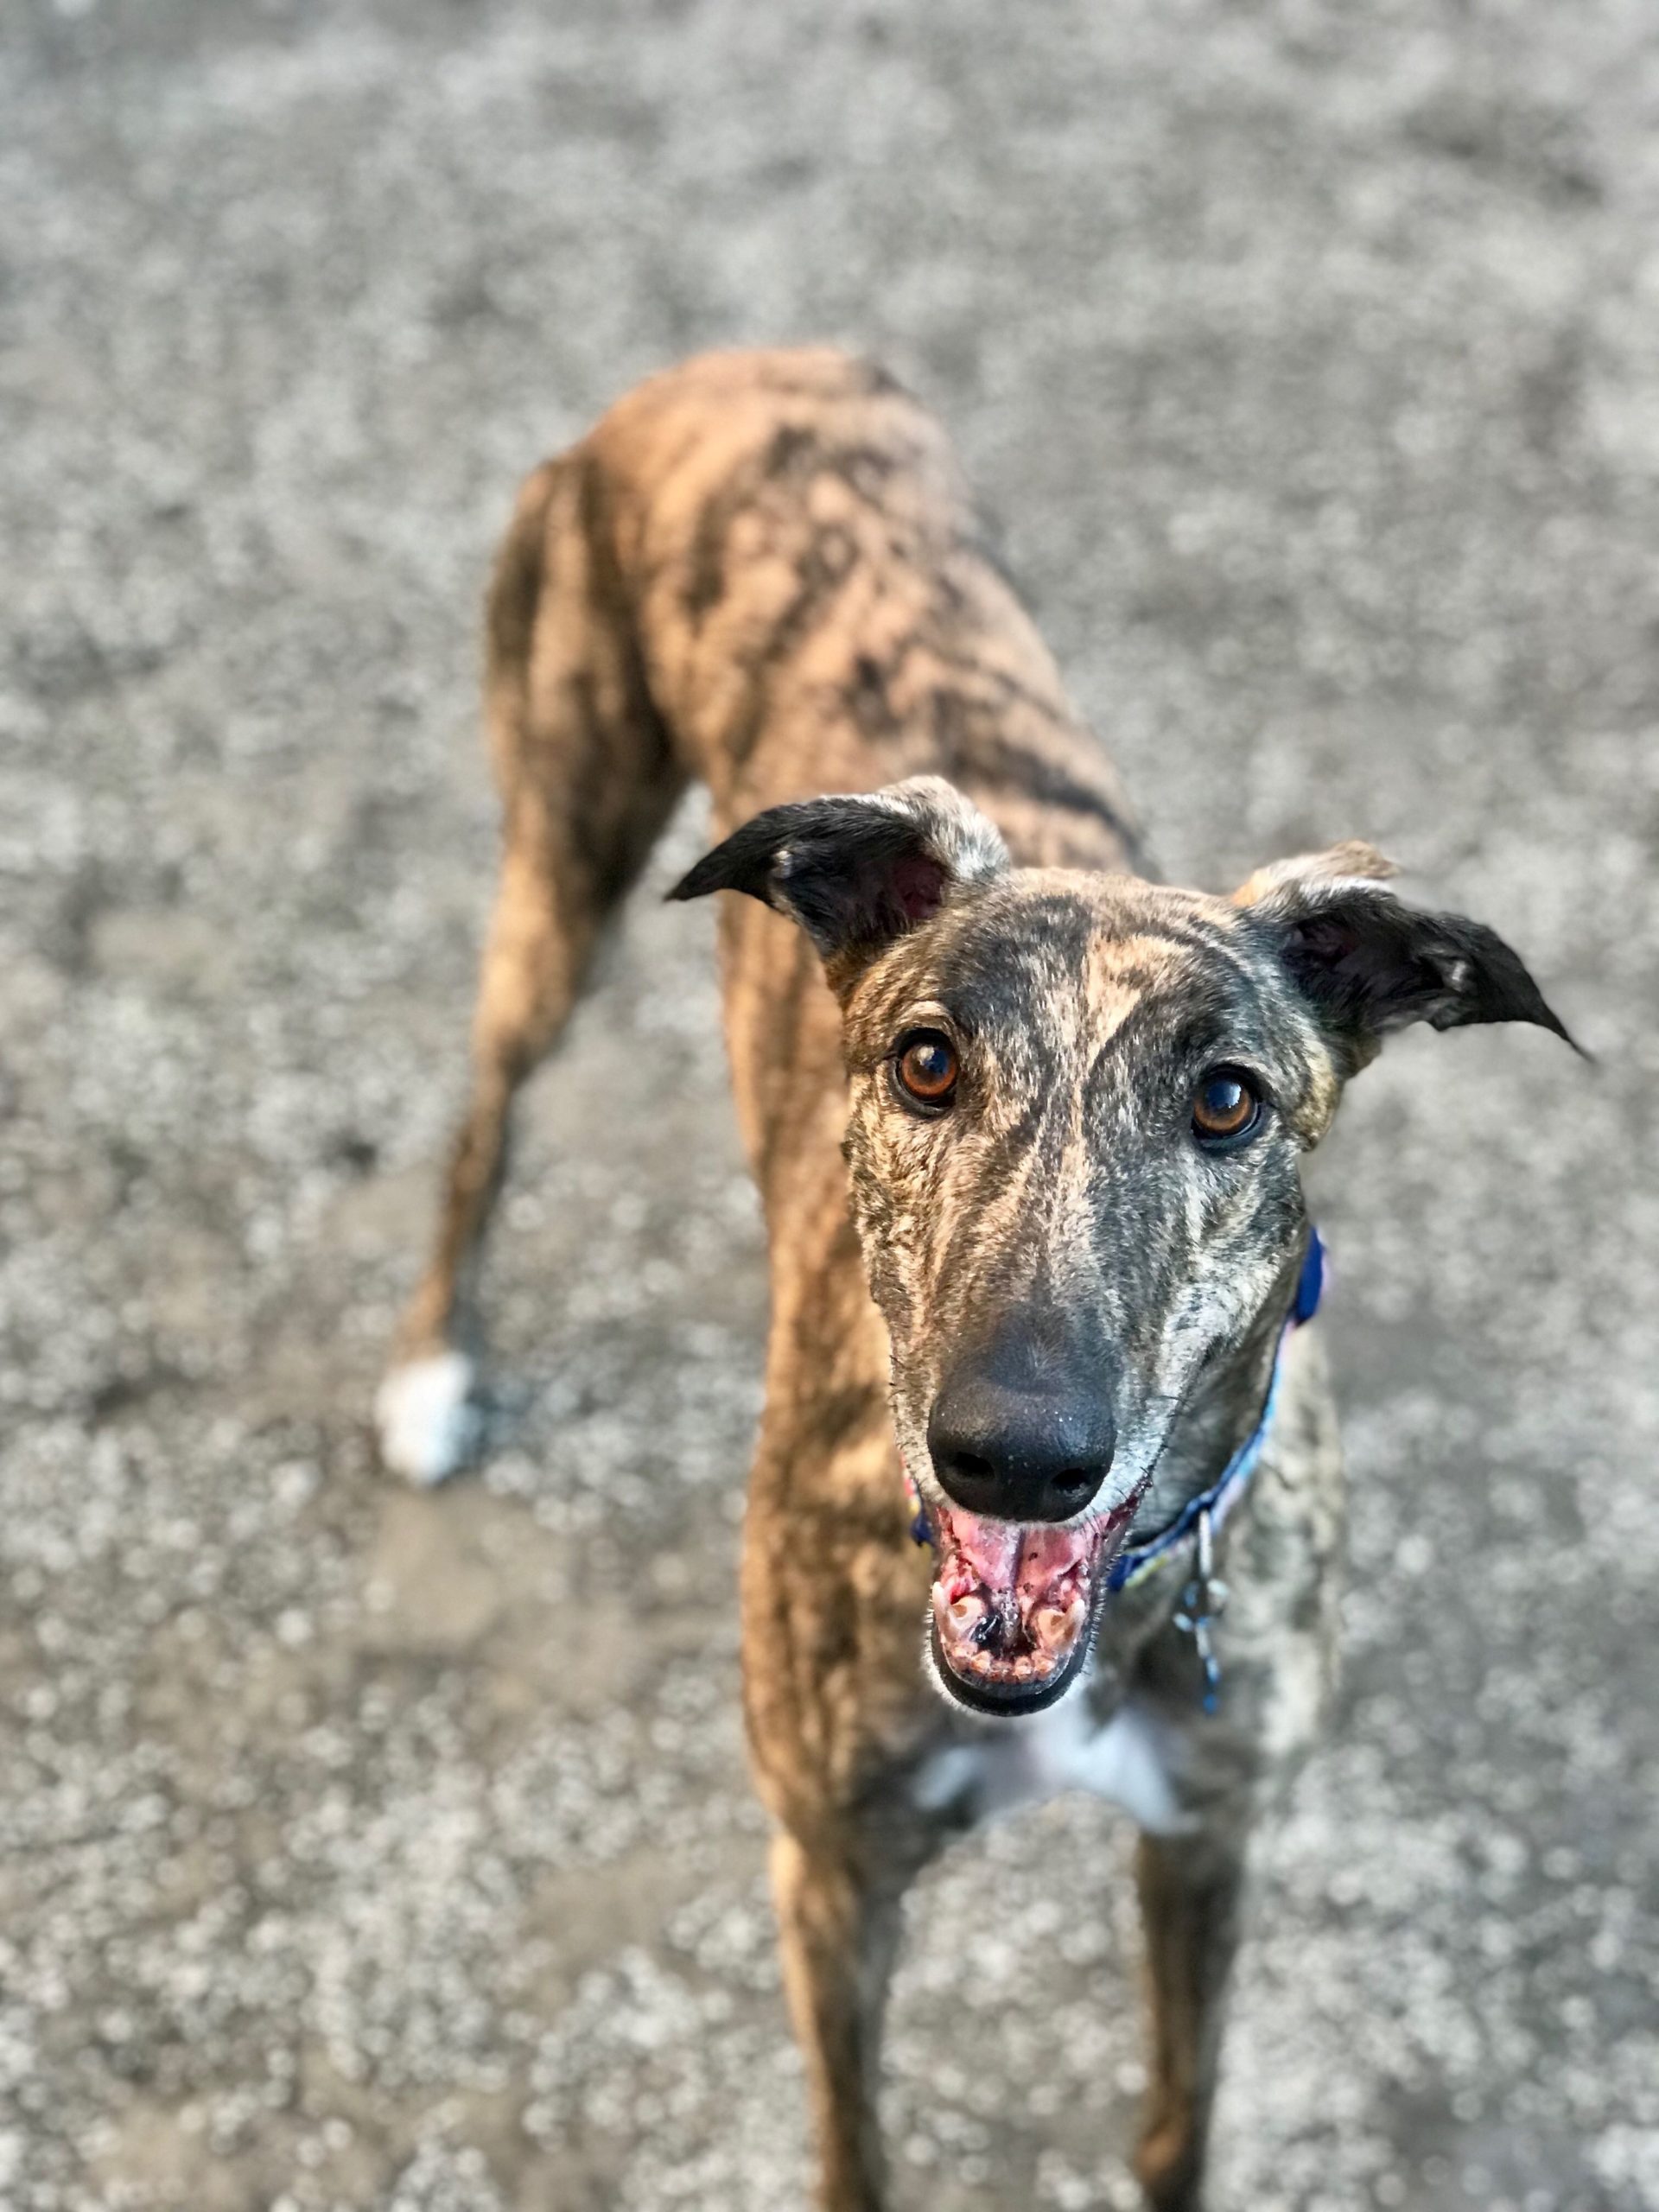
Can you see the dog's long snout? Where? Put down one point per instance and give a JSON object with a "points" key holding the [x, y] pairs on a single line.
{"points": [[1020, 1438]]}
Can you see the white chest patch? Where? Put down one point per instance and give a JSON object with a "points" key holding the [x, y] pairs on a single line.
{"points": [[1027, 1762]]}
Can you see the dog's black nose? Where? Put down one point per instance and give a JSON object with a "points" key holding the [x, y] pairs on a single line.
{"points": [[1020, 1439]]}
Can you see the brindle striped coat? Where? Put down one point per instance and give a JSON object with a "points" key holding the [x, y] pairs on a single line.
{"points": [[762, 570]]}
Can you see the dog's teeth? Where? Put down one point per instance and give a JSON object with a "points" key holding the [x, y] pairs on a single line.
{"points": [[982, 1663], [1056, 1627], [1022, 1668], [1042, 1662], [1052, 1626], [965, 1611]]}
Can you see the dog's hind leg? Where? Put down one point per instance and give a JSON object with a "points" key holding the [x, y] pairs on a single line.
{"points": [[588, 780], [1190, 1888], [839, 1925]]}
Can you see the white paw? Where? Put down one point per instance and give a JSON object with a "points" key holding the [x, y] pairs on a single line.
{"points": [[427, 1423]]}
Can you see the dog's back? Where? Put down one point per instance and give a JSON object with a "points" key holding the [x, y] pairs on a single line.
{"points": [[759, 570], [788, 539]]}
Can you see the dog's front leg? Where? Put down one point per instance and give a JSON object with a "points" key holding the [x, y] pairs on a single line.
{"points": [[838, 1924], [1191, 1887]]}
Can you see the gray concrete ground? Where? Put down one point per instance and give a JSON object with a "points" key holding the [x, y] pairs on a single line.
{"points": [[363, 1849]]}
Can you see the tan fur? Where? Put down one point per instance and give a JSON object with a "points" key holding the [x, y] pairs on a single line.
{"points": [[761, 569]]}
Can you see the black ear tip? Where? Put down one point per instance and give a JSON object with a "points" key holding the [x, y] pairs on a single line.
{"points": [[712, 873], [743, 861], [1545, 1017]]}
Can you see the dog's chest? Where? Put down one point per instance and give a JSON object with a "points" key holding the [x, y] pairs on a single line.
{"points": [[1130, 1759]]}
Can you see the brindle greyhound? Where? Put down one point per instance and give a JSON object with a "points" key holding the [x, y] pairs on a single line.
{"points": [[1049, 1113]]}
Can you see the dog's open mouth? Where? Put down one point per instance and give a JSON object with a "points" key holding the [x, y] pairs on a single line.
{"points": [[1015, 1605]]}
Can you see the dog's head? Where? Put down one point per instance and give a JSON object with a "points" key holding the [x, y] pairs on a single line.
{"points": [[1079, 1102]]}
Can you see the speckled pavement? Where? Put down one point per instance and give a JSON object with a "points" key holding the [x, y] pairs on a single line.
{"points": [[360, 1848]]}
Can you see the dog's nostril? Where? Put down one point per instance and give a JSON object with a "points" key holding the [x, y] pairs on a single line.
{"points": [[971, 1466], [1077, 1482]]}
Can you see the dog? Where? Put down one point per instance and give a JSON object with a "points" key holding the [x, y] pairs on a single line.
{"points": [[1028, 1127]]}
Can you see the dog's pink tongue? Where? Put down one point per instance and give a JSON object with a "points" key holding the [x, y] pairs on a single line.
{"points": [[1008, 1558]]}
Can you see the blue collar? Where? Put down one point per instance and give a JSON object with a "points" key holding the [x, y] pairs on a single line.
{"points": [[1214, 1504], [1200, 1519]]}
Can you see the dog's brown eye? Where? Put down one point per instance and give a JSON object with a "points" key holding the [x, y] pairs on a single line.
{"points": [[926, 1069], [1226, 1107]]}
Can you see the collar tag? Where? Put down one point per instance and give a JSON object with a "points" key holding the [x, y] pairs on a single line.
{"points": [[1205, 1600]]}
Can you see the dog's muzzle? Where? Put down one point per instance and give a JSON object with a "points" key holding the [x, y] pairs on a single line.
{"points": [[1015, 1605]]}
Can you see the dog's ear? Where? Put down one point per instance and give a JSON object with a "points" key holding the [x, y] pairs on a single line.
{"points": [[859, 871], [1367, 964]]}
